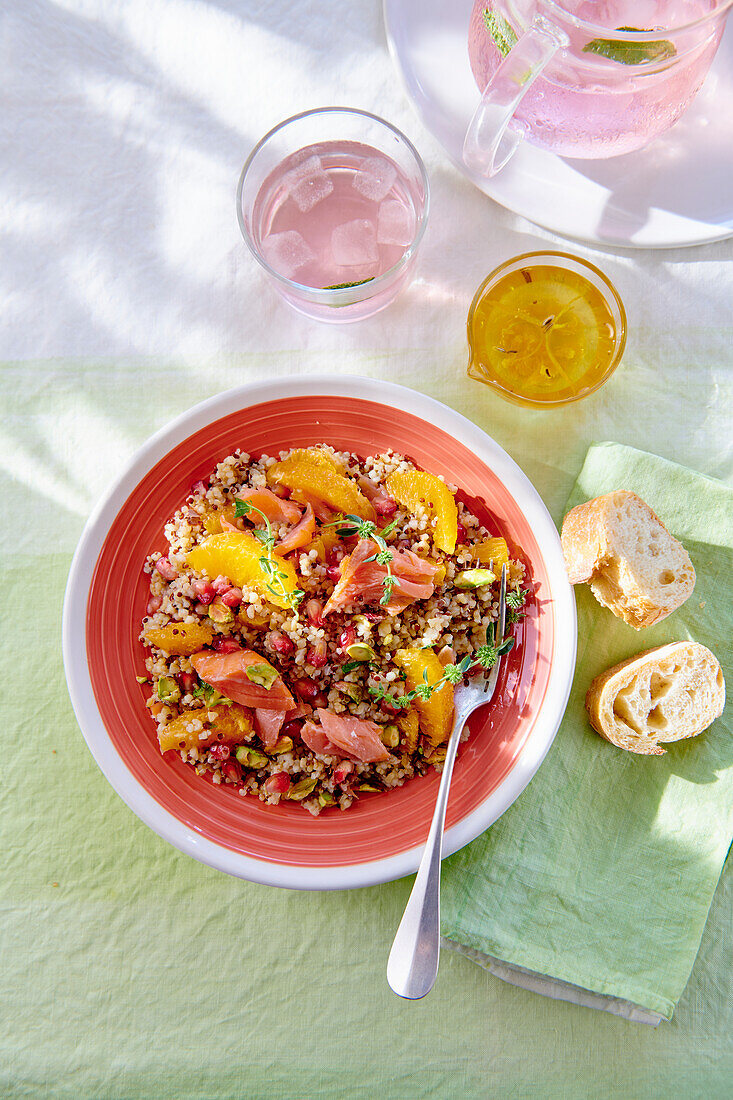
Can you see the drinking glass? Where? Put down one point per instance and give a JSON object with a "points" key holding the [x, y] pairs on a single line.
{"points": [[333, 205]]}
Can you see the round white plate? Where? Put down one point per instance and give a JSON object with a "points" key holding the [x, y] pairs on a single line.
{"points": [[678, 191], [175, 831]]}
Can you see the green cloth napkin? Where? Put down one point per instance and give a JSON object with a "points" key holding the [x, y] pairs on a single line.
{"points": [[602, 873]]}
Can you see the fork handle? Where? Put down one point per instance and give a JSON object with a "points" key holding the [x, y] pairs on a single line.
{"points": [[413, 961]]}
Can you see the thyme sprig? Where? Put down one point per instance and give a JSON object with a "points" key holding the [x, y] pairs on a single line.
{"points": [[268, 562], [515, 602], [350, 526], [486, 655]]}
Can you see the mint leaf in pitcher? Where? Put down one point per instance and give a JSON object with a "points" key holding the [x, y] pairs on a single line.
{"points": [[504, 37], [631, 53], [346, 286]]}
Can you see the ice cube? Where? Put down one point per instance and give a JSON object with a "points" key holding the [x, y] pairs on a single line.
{"points": [[304, 164], [374, 178], [287, 252], [354, 243], [307, 184], [395, 223]]}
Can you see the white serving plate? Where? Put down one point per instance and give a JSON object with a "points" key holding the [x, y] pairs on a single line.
{"points": [[676, 192]]}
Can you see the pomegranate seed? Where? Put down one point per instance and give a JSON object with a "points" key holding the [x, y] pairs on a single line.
{"points": [[320, 699], [333, 556], [343, 769], [232, 597], [279, 783], [347, 637], [317, 654], [373, 616], [154, 604], [385, 507], [292, 729], [306, 689], [226, 645], [221, 584], [231, 769], [333, 573], [280, 642], [220, 752], [167, 571], [199, 487], [389, 708], [462, 535], [187, 682], [204, 591], [313, 610]]}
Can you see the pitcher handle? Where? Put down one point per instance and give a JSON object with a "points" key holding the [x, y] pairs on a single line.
{"points": [[489, 143]]}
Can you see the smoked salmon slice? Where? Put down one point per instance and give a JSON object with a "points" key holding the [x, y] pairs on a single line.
{"points": [[322, 511], [268, 723], [274, 507], [377, 495], [227, 672], [315, 739], [355, 737], [361, 580], [299, 535]]}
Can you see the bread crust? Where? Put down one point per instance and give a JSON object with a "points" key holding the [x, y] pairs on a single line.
{"points": [[685, 671], [593, 537], [583, 540]]}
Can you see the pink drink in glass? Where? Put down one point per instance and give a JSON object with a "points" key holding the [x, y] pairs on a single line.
{"points": [[585, 104], [336, 214]]}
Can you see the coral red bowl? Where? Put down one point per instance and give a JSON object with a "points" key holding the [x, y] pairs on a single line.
{"points": [[380, 837]]}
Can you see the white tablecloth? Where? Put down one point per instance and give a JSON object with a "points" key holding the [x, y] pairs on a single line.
{"points": [[123, 127]]}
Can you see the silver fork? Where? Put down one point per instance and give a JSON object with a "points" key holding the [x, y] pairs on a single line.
{"points": [[413, 961]]}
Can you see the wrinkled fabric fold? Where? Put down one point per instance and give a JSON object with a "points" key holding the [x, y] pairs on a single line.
{"points": [[595, 886]]}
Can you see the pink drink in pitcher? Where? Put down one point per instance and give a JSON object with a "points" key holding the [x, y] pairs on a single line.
{"points": [[334, 215], [593, 78]]}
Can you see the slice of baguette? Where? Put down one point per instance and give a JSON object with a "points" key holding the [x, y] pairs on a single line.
{"points": [[664, 694], [633, 565]]}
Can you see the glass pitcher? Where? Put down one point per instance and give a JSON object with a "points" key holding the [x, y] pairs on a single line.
{"points": [[584, 78]]}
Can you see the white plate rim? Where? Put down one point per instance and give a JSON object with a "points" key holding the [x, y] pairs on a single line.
{"points": [[79, 683]]}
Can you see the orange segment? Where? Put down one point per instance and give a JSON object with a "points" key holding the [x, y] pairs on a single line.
{"points": [[436, 713], [228, 725], [425, 493], [236, 555], [491, 550], [216, 519], [180, 639], [316, 473]]}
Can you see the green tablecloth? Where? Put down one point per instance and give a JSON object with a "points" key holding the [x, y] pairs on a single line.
{"points": [[129, 970]]}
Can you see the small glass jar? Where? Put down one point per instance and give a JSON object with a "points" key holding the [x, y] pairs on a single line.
{"points": [[545, 329]]}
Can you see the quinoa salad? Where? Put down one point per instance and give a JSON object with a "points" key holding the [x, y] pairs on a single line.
{"points": [[309, 619]]}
